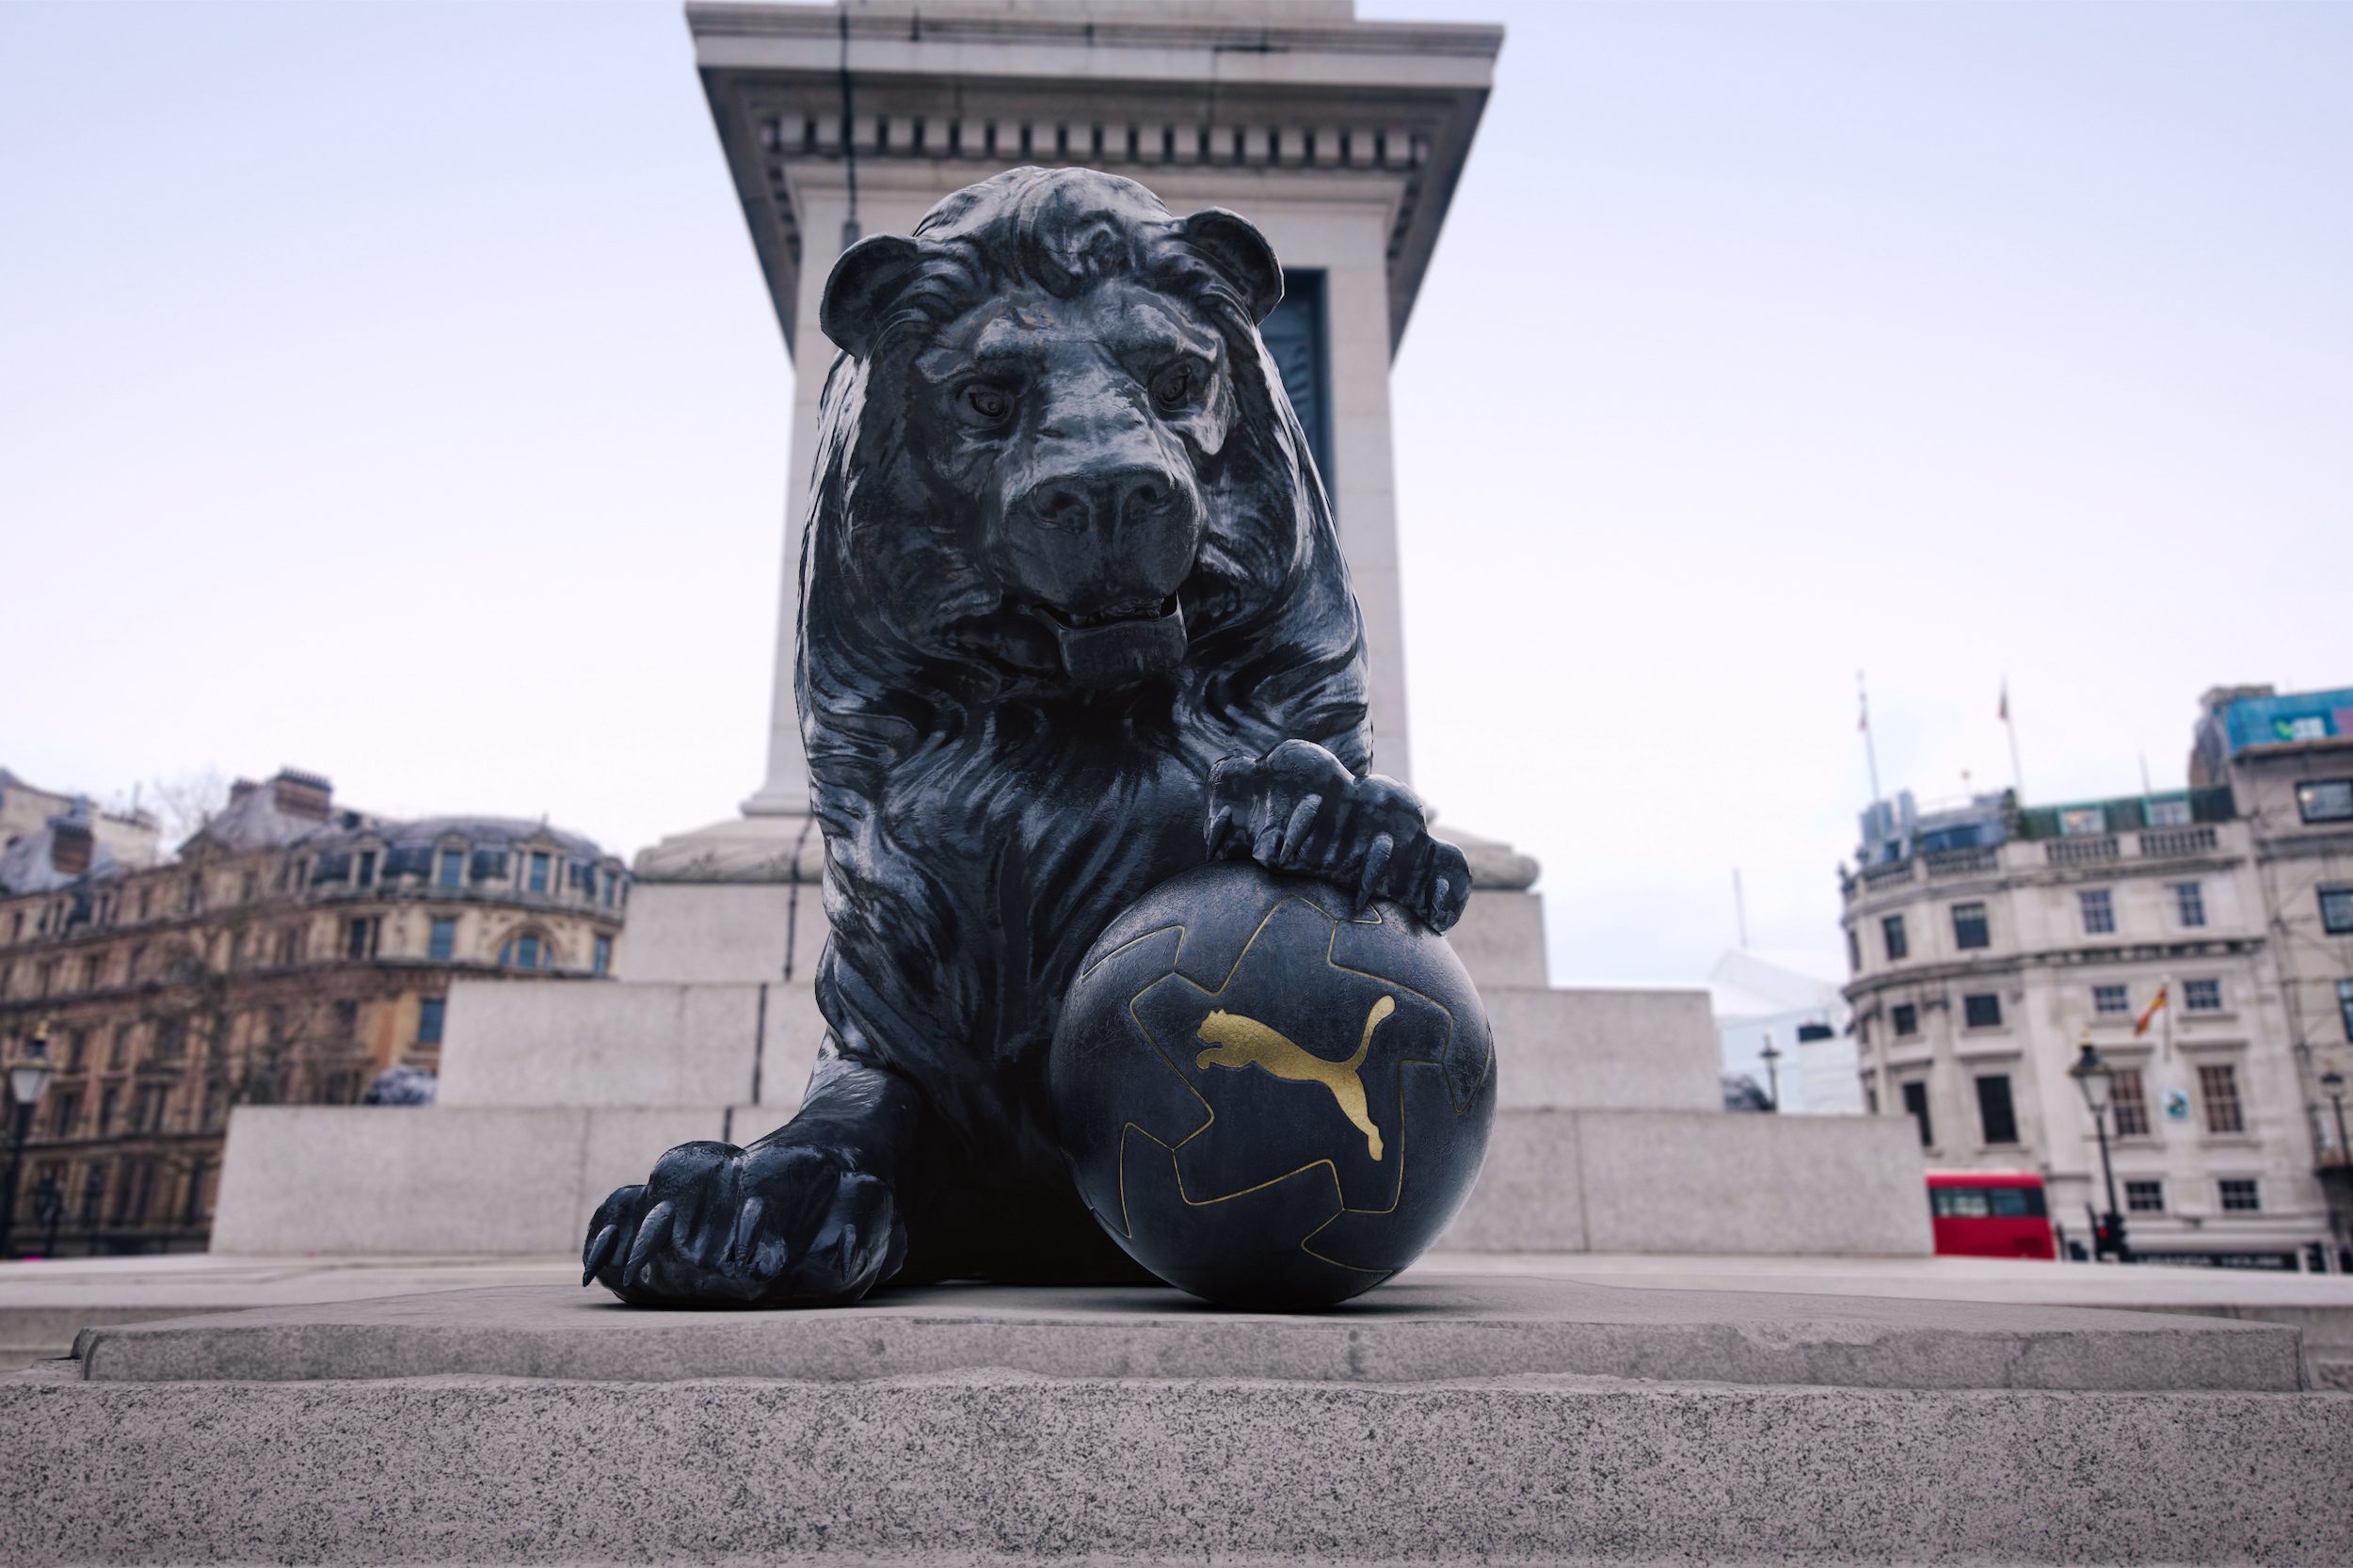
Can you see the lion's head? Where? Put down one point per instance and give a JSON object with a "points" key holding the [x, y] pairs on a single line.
{"points": [[1055, 454]]}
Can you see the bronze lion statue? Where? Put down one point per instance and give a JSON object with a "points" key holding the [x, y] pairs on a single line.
{"points": [[1074, 618]]}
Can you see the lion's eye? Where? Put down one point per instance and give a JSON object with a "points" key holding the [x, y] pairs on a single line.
{"points": [[988, 404], [1178, 386]]}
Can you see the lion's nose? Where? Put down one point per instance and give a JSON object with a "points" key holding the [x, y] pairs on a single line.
{"points": [[1076, 501]]}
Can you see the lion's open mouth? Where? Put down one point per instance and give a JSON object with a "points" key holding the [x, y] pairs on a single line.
{"points": [[1120, 645], [1134, 610]]}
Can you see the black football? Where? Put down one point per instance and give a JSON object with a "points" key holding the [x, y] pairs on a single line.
{"points": [[1267, 1097]]}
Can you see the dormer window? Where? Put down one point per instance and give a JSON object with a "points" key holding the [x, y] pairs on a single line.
{"points": [[539, 871], [366, 876], [449, 867]]}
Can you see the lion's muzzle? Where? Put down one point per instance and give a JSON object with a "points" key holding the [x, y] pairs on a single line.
{"points": [[1099, 551]]}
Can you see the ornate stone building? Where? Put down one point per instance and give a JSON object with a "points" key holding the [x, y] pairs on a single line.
{"points": [[291, 953], [1989, 940]]}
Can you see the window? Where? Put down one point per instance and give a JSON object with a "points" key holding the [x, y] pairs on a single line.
{"points": [[1995, 1115], [1904, 1018], [1981, 1011], [360, 936], [429, 1013], [2189, 903], [1979, 1203], [2110, 998], [1297, 340], [1960, 1203], [2099, 911], [612, 878], [68, 1113], [2344, 1006], [2202, 996], [367, 869], [450, 869], [1969, 927], [2144, 1198], [526, 952], [2129, 1099], [2241, 1198], [107, 1099], [2336, 910], [442, 943], [2326, 800], [2218, 1086], [1916, 1107], [118, 1049], [1892, 932], [603, 960], [539, 871]]}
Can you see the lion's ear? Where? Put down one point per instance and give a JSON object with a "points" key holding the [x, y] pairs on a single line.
{"points": [[865, 281], [1233, 243]]}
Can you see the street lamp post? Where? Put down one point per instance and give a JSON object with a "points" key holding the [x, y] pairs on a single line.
{"points": [[49, 1209], [1771, 1056], [28, 1080], [2332, 1085], [2097, 1079]]}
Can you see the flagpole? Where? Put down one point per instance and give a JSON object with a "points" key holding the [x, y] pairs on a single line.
{"points": [[2017, 774], [1871, 752]]}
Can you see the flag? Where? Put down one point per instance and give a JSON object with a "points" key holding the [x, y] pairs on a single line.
{"points": [[2150, 1016]]}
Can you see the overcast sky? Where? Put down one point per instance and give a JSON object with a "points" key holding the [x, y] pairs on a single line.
{"points": [[390, 392]]}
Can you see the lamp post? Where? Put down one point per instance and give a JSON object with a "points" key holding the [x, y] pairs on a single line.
{"points": [[49, 1209], [2332, 1085], [28, 1080], [1771, 1056], [2097, 1079]]}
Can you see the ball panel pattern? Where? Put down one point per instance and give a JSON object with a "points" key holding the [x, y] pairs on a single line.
{"points": [[1266, 1098]]}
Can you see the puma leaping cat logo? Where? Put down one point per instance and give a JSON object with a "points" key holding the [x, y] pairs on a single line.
{"points": [[1240, 1042]]}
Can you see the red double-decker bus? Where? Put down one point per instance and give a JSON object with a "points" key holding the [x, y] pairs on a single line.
{"points": [[1990, 1214]]}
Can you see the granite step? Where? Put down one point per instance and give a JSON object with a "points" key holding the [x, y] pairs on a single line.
{"points": [[1445, 1419]]}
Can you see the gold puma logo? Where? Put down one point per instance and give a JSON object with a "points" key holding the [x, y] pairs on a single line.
{"points": [[1240, 1042]]}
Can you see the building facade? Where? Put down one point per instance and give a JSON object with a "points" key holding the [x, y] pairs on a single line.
{"points": [[291, 953], [2288, 763], [1987, 941]]}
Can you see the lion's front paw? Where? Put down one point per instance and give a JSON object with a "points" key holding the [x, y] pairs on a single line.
{"points": [[1298, 808], [776, 1224]]}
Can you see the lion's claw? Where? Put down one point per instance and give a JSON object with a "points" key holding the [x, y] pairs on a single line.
{"points": [[776, 1224], [1305, 813]]}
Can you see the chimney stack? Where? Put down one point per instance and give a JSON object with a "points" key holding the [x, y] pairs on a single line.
{"points": [[70, 841], [308, 795]]}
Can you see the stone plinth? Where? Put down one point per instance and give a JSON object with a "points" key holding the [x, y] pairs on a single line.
{"points": [[1696, 1181]]}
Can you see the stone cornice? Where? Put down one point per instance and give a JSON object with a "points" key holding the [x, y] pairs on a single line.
{"points": [[975, 94]]}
